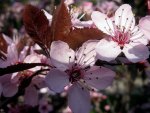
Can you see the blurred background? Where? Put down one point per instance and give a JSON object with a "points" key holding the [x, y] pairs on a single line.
{"points": [[130, 92]]}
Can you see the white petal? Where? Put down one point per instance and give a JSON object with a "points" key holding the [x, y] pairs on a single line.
{"points": [[61, 55], [79, 99], [99, 77], [86, 53], [9, 89], [31, 96], [107, 50], [124, 17], [57, 80], [103, 22], [136, 53], [144, 24]]}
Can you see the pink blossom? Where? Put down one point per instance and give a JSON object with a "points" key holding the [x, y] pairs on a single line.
{"points": [[144, 24], [107, 107], [76, 70], [9, 88], [107, 7], [31, 92], [69, 2], [75, 19], [124, 36], [87, 7]]}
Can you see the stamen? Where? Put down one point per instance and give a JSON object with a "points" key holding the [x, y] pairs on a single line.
{"points": [[88, 60], [82, 16], [85, 85], [110, 29]]}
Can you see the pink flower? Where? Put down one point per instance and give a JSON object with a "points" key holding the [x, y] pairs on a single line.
{"points": [[107, 7], [69, 2], [76, 20], [75, 12], [76, 70], [9, 88], [107, 107], [31, 92], [87, 7], [144, 24], [124, 36]]}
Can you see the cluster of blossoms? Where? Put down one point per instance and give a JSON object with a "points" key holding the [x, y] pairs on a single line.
{"points": [[75, 71]]}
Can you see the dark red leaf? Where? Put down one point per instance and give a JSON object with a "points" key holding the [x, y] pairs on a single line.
{"points": [[37, 26], [61, 22], [78, 36]]}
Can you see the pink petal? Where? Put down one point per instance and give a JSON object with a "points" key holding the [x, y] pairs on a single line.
{"points": [[39, 81], [7, 39], [81, 24], [33, 58], [23, 53], [86, 53], [144, 24], [99, 77], [61, 55], [48, 16], [57, 80], [12, 53], [107, 50], [9, 89], [124, 17], [79, 99], [31, 96], [136, 53], [103, 22], [15, 77], [137, 36]]}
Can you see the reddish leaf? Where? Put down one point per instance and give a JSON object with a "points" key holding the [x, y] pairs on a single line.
{"points": [[61, 22], [37, 26], [25, 41], [3, 47], [78, 36], [3, 44]]}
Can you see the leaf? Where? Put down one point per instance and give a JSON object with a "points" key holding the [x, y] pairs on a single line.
{"points": [[61, 22], [79, 35], [24, 41], [3, 44], [62, 29], [3, 47], [37, 26]]}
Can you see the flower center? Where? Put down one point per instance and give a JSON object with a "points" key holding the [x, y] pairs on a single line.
{"points": [[75, 74], [121, 38]]}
